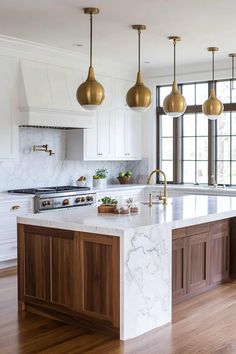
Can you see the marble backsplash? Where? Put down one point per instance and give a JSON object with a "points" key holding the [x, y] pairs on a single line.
{"points": [[34, 169]]}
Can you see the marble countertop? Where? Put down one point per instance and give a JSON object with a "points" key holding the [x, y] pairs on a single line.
{"points": [[180, 212]]}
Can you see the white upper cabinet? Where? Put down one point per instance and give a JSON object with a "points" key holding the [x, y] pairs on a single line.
{"points": [[128, 142], [121, 89], [108, 85], [8, 104]]}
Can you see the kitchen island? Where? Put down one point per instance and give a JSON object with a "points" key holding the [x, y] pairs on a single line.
{"points": [[111, 271]]}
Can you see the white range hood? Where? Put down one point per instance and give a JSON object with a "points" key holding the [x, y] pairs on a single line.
{"points": [[47, 97]]}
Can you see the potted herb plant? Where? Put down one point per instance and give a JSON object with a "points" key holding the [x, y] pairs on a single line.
{"points": [[124, 177], [108, 205], [100, 178]]}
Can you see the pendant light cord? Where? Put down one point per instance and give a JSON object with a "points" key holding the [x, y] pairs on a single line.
{"points": [[233, 68], [91, 40], [139, 49], [213, 69], [174, 43]]}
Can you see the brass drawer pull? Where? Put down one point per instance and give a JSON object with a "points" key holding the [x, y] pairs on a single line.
{"points": [[15, 207]]}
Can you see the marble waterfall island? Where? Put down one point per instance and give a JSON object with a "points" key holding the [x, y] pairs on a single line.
{"points": [[111, 271]]}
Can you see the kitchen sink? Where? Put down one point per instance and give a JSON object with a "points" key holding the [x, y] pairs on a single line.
{"points": [[155, 202]]}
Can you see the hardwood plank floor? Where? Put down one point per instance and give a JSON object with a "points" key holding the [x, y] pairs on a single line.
{"points": [[205, 324]]}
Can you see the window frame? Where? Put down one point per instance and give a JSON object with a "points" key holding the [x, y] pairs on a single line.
{"points": [[178, 161]]}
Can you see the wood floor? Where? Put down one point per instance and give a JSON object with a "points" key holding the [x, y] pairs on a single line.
{"points": [[206, 324]]}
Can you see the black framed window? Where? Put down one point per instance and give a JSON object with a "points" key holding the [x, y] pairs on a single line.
{"points": [[195, 136]]}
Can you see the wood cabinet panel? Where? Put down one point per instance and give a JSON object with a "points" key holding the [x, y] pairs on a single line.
{"points": [[100, 276], [62, 270], [198, 262], [200, 259], [219, 257], [37, 265], [179, 264]]}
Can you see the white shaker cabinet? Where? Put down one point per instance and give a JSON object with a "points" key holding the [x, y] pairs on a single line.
{"points": [[9, 211], [128, 144], [121, 89], [8, 104]]}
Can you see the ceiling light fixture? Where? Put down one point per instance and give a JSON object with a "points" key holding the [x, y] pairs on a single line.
{"points": [[233, 55], [139, 96], [213, 107], [174, 104], [90, 93]]}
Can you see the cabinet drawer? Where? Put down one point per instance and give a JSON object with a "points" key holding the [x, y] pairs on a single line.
{"points": [[221, 226], [179, 233], [197, 229], [16, 208]]}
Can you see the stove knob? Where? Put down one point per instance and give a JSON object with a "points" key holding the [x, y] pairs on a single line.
{"points": [[46, 203], [82, 199], [66, 202], [89, 198], [77, 200]]}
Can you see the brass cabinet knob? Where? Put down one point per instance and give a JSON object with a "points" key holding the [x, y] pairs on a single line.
{"points": [[15, 207]]}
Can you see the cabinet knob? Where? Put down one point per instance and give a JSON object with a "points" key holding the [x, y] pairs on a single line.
{"points": [[99, 153], [15, 207]]}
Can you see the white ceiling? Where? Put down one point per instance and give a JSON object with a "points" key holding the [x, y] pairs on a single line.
{"points": [[61, 23]]}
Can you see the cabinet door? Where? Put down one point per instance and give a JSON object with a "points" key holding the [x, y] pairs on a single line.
{"points": [[133, 142], [198, 263], [62, 268], [8, 104], [105, 135], [91, 142], [99, 267], [219, 246], [179, 268], [37, 263], [120, 133]]}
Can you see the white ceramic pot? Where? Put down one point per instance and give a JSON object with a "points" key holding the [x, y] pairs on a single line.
{"points": [[100, 183], [81, 183]]}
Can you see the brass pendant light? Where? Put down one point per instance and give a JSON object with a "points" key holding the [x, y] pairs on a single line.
{"points": [[213, 107], [174, 104], [233, 55], [139, 96], [90, 93]]}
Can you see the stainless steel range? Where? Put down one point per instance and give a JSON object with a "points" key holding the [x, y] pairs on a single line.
{"points": [[52, 198]]}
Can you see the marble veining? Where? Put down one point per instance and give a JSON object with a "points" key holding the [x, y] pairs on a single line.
{"points": [[33, 169]]}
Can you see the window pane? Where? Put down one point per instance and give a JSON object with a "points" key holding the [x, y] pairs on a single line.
{"points": [[223, 172], [164, 91], [189, 148], [202, 171], [189, 93], [201, 93], [223, 91], [189, 124], [189, 171], [202, 125], [223, 124], [223, 148], [167, 149], [202, 148], [167, 125], [167, 166], [233, 120], [233, 92], [233, 148], [233, 172]]}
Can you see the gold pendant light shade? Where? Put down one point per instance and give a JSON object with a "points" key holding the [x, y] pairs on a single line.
{"points": [[90, 93], [174, 104], [213, 107], [139, 96]]}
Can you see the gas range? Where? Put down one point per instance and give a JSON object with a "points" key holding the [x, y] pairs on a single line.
{"points": [[51, 198]]}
